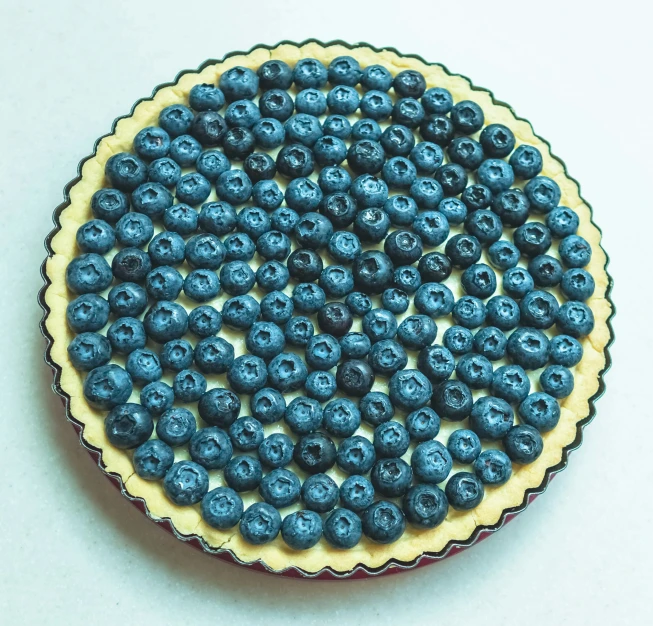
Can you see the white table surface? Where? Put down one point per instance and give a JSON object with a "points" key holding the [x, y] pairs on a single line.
{"points": [[72, 547]]}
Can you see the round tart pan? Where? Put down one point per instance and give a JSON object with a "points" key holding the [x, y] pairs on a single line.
{"points": [[360, 570]]}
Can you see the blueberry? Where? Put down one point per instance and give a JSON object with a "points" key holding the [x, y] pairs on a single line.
{"points": [[189, 386], [321, 386], [308, 298], [272, 276], [320, 493], [497, 140], [276, 451], [358, 303], [313, 231], [344, 246], [373, 272], [365, 156], [539, 309], [181, 218], [186, 483], [476, 197], [575, 319], [562, 222], [305, 264], [157, 398], [469, 312], [337, 281], [214, 355], [303, 415], [134, 229], [253, 221], [423, 424], [152, 143], [273, 245], [143, 366], [260, 523], [543, 193], [89, 350], [395, 301], [356, 455], [386, 357], [383, 522], [399, 173], [337, 126], [403, 247], [376, 105], [517, 282], [268, 406], [282, 219], [371, 225], [238, 143], [239, 83], [410, 389], [437, 129], [376, 77], [301, 530], [265, 340], [458, 340], [466, 152], [222, 508], [434, 267], [540, 410], [315, 453], [491, 418], [452, 180], [153, 459], [379, 324], [176, 426], [287, 372], [467, 117], [511, 383], [209, 128], [342, 529], [206, 97], [329, 151], [260, 167], [276, 104], [341, 417], [167, 248], [391, 440], [302, 129], [333, 179], [240, 312], [309, 72], [491, 343], [276, 307], [109, 205], [247, 374], [475, 371], [269, 134], [241, 114], [107, 386], [503, 255], [356, 492], [417, 331], [397, 140], [376, 408], [504, 313], [204, 321], [194, 189], [176, 119], [366, 129], [434, 300], [452, 400], [427, 157], [90, 273], [575, 251], [335, 319], [166, 321], [425, 506], [565, 350], [239, 247], [219, 407], [463, 250], [407, 279], [526, 161], [96, 236], [125, 171], [234, 186], [391, 477], [409, 84], [298, 331], [436, 363], [496, 175], [126, 334], [128, 426], [243, 473], [344, 70], [185, 150], [528, 347], [437, 100], [246, 433], [479, 280], [523, 444], [210, 448], [342, 100], [275, 74], [201, 285], [533, 238], [484, 225], [493, 467], [408, 112], [464, 446]]}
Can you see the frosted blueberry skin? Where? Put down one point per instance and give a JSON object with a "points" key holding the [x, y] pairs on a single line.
{"points": [[239, 247], [466, 152], [476, 197], [204, 321], [523, 444], [247, 374], [165, 321], [434, 300], [206, 97], [210, 447], [467, 117], [163, 283], [176, 426], [340, 208], [238, 143], [479, 280], [437, 129], [541, 411], [152, 143], [391, 477], [295, 161], [410, 390], [565, 350], [176, 119], [201, 285], [463, 250], [282, 219], [243, 473], [376, 408], [301, 530], [407, 279], [153, 459], [95, 236], [320, 493], [315, 453], [265, 340], [511, 383], [241, 114], [517, 282], [526, 161], [539, 309], [484, 225], [577, 284], [391, 439], [431, 462], [575, 319], [342, 529], [246, 433], [181, 218], [376, 105], [87, 313], [452, 400], [222, 508], [464, 491], [280, 488], [253, 221], [469, 312], [458, 340], [437, 100], [503, 255], [309, 72], [512, 206], [186, 483], [344, 70], [129, 265], [336, 281], [575, 251], [453, 209], [452, 179], [189, 386], [491, 418], [427, 157], [276, 450], [371, 224], [144, 366], [386, 357], [417, 331], [491, 343], [209, 128], [383, 522], [298, 331], [125, 171], [268, 134], [185, 150], [128, 426], [532, 238], [425, 506], [237, 278], [475, 371], [240, 312], [126, 334], [356, 455], [88, 273], [342, 100], [303, 129], [219, 407], [545, 270], [134, 230], [423, 424], [321, 386], [543, 194], [436, 363], [493, 467], [356, 493], [303, 415], [157, 398], [337, 126], [528, 347], [562, 222], [109, 205], [260, 523], [276, 307], [275, 74], [341, 418], [167, 248], [464, 445]]}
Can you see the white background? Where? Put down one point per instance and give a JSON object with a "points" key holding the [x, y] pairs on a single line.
{"points": [[73, 551]]}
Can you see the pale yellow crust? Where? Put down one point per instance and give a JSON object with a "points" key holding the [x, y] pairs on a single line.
{"points": [[458, 526]]}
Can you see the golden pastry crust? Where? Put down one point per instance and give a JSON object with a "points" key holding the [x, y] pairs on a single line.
{"points": [[276, 556]]}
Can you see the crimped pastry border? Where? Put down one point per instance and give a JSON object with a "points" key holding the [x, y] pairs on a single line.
{"points": [[460, 529]]}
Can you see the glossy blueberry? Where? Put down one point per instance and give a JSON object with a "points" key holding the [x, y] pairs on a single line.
{"points": [[533, 238], [376, 77], [517, 282], [260, 167], [408, 112], [437, 129], [267, 406], [238, 143], [210, 448], [467, 117], [366, 129], [219, 407], [466, 152], [240, 312], [185, 150], [357, 492], [423, 424], [358, 303], [410, 389], [321, 386], [194, 189], [469, 311], [143, 366], [189, 386], [493, 467], [157, 398], [260, 523], [278, 104], [403, 247], [176, 119], [379, 324], [479, 280], [301, 530], [354, 377], [298, 331], [341, 417], [239, 83], [498, 141], [315, 453], [407, 279], [391, 477], [417, 331], [153, 459], [463, 250], [204, 321], [246, 433], [409, 84], [304, 264], [540, 410], [126, 334], [366, 156], [373, 272], [308, 298], [176, 426], [275, 74], [431, 462], [484, 225], [510, 383], [557, 381], [434, 267], [287, 372], [109, 205], [342, 100], [243, 473], [320, 493], [562, 222], [543, 194], [491, 343], [337, 281], [90, 273], [475, 371], [539, 309], [152, 143], [90, 312], [526, 161], [523, 444], [206, 97], [458, 340], [337, 126], [383, 522], [335, 319], [575, 319], [241, 114], [491, 418], [89, 350], [333, 179], [452, 400], [425, 506], [397, 140], [134, 230], [247, 374], [434, 300], [239, 247], [464, 491], [276, 451], [464, 446], [512, 206], [186, 483], [222, 508], [329, 151], [125, 171], [96, 236], [565, 350], [528, 347], [476, 197], [371, 225], [214, 355], [107, 386], [452, 179], [503, 255], [234, 186], [504, 313], [437, 100], [547, 272], [303, 415], [269, 134], [376, 408], [253, 221]]}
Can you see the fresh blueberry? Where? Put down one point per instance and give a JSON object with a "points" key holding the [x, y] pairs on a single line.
{"points": [[464, 491], [355, 345], [272, 276], [526, 161], [503, 255], [496, 175], [167, 248], [153, 459], [337, 126], [469, 311], [287, 372], [109, 205], [565, 350], [276, 307], [282, 219], [383, 522], [253, 221], [152, 143], [269, 134], [309, 72], [464, 446], [437, 100], [222, 508], [437, 129], [428, 194], [301, 530], [239, 247], [321, 386], [219, 407], [313, 231], [243, 473], [476, 197], [491, 343], [523, 444], [434, 300], [539, 309], [143, 366], [134, 230], [562, 222], [234, 187], [408, 112], [357, 492], [247, 374], [575, 251], [423, 424], [575, 319], [267, 406], [371, 225], [452, 400], [335, 319], [201, 285], [528, 347], [379, 324], [431, 462], [410, 389], [107, 386], [213, 355], [510, 383], [409, 84], [337, 281], [356, 455], [181, 218], [358, 303], [533, 238], [166, 321], [176, 119], [342, 100], [273, 245], [276, 451], [189, 386], [259, 167], [303, 415], [376, 408], [376, 77], [275, 74], [434, 267], [467, 117], [185, 150], [206, 97], [391, 440], [541, 410], [194, 189], [369, 191], [397, 140], [320, 493], [242, 114], [503, 312], [342, 529], [366, 129], [512, 206], [458, 340], [403, 247], [329, 151], [425, 506], [126, 334], [475, 371], [491, 418], [344, 246], [96, 236], [90, 312], [186, 483], [277, 104], [298, 331], [427, 157], [157, 398], [387, 357], [238, 143], [305, 265], [395, 301], [497, 140], [467, 152], [204, 321], [365, 156], [463, 250], [399, 173], [341, 417], [239, 83], [517, 282], [315, 453], [176, 426], [89, 350], [479, 280], [493, 467], [308, 298], [237, 278], [125, 171], [334, 179], [302, 129], [417, 331], [260, 523], [391, 477], [246, 433], [376, 105], [344, 70], [407, 279], [484, 225], [543, 194], [210, 448], [90, 273]]}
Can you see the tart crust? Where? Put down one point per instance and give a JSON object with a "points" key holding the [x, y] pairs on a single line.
{"points": [[276, 556]]}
